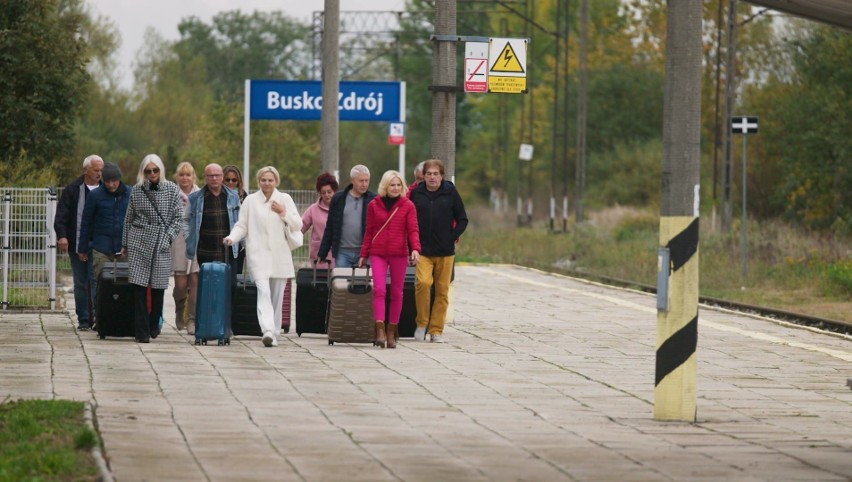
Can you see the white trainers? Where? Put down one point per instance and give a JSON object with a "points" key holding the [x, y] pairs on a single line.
{"points": [[269, 340], [420, 334], [437, 339], [275, 342]]}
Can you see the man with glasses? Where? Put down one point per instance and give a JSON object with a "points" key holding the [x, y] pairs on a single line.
{"points": [[213, 211], [67, 223]]}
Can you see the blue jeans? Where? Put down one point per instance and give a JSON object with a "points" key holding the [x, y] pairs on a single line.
{"points": [[83, 276], [346, 258]]}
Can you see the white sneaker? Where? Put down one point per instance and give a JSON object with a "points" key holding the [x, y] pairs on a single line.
{"points": [[275, 342], [437, 339], [420, 334], [268, 339]]}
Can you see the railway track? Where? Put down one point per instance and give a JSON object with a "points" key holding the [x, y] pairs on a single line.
{"points": [[836, 326]]}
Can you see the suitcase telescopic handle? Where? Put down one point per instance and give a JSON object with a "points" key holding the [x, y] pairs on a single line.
{"points": [[359, 284], [316, 265]]}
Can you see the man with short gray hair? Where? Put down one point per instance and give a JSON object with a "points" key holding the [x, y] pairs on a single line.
{"points": [[67, 223], [347, 220]]}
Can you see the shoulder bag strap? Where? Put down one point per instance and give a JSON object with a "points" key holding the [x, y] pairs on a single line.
{"points": [[386, 223]]}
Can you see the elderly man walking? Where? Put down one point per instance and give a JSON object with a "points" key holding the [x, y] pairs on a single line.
{"points": [[67, 223], [347, 220]]}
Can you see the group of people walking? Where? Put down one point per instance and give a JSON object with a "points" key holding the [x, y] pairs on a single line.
{"points": [[163, 228]]}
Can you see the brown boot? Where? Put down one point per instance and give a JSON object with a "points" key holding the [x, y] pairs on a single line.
{"points": [[180, 309], [393, 335], [380, 334]]}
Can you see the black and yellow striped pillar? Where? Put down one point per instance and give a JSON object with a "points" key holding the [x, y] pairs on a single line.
{"points": [[677, 327]]}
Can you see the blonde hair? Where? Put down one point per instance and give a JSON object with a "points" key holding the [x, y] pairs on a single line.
{"points": [[264, 170], [185, 167], [387, 177]]}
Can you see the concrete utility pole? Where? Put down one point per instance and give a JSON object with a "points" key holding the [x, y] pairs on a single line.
{"points": [[677, 302], [330, 120], [580, 170], [444, 86], [730, 76]]}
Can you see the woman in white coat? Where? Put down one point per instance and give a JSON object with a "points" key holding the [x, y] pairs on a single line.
{"points": [[264, 216]]}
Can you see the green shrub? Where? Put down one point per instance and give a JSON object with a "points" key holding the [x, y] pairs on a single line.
{"points": [[840, 276]]}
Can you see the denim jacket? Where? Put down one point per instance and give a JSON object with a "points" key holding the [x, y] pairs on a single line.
{"points": [[192, 221]]}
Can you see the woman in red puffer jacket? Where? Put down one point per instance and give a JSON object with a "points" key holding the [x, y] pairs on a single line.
{"points": [[391, 240]]}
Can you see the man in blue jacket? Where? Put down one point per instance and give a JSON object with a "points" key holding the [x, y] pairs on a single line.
{"points": [[102, 225], [213, 212], [442, 219], [69, 212]]}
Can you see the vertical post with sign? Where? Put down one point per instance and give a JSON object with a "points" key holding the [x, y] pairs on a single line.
{"points": [[744, 125]]}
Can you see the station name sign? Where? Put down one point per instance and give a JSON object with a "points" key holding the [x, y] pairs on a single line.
{"points": [[302, 100]]}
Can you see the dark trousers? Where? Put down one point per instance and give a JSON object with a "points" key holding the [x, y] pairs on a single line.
{"points": [[145, 323]]}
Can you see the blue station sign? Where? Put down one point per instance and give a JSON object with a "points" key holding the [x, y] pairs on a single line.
{"points": [[302, 100]]}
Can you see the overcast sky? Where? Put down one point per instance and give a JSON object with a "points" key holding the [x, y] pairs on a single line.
{"points": [[132, 17]]}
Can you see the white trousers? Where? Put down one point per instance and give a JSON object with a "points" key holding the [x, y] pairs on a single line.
{"points": [[270, 296]]}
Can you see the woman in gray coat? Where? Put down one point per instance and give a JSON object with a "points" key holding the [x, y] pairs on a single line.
{"points": [[153, 220]]}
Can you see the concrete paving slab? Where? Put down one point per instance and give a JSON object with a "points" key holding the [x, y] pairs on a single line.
{"points": [[543, 378]]}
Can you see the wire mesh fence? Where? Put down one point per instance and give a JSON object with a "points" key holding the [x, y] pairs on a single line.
{"points": [[30, 263]]}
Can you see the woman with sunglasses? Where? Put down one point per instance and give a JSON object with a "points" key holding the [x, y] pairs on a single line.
{"points": [[153, 220], [234, 180]]}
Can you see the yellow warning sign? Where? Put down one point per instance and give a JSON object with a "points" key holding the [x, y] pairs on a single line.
{"points": [[507, 61], [507, 85]]}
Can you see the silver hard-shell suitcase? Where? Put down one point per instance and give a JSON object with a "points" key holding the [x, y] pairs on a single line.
{"points": [[350, 306]]}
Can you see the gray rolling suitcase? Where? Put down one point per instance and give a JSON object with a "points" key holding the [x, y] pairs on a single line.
{"points": [[350, 307]]}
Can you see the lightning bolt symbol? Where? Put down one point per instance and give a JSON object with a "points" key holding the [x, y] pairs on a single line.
{"points": [[507, 56]]}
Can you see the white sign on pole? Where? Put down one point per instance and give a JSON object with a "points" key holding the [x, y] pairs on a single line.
{"points": [[526, 152], [397, 133], [476, 67]]}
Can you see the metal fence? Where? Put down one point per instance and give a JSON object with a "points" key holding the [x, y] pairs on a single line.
{"points": [[30, 262]]}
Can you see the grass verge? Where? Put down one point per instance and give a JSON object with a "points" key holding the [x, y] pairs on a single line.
{"points": [[787, 268], [45, 440]]}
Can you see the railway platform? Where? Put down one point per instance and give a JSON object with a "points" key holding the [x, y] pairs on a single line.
{"points": [[542, 378]]}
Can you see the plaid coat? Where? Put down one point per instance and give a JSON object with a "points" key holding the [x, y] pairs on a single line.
{"points": [[147, 239]]}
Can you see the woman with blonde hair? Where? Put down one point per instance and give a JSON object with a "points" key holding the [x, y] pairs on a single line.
{"points": [[184, 270], [391, 241], [265, 215]]}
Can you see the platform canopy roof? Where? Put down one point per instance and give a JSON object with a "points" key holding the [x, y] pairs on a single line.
{"points": [[832, 12]]}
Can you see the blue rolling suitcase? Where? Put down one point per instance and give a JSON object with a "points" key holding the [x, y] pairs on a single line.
{"points": [[213, 307]]}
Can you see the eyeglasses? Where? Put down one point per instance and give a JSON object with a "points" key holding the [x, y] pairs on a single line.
{"points": [[230, 179], [155, 170]]}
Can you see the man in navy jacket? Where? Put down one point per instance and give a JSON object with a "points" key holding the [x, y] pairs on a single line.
{"points": [[69, 212], [347, 220], [102, 225]]}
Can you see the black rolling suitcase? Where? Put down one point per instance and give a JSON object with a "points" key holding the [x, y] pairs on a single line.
{"points": [[311, 300], [244, 307], [407, 323], [114, 302]]}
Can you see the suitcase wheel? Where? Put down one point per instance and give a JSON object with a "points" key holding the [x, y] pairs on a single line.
{"points": [[198, 341], [331, 342], [220, 343], [102, 337], [228, 341], [204, 341]]}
